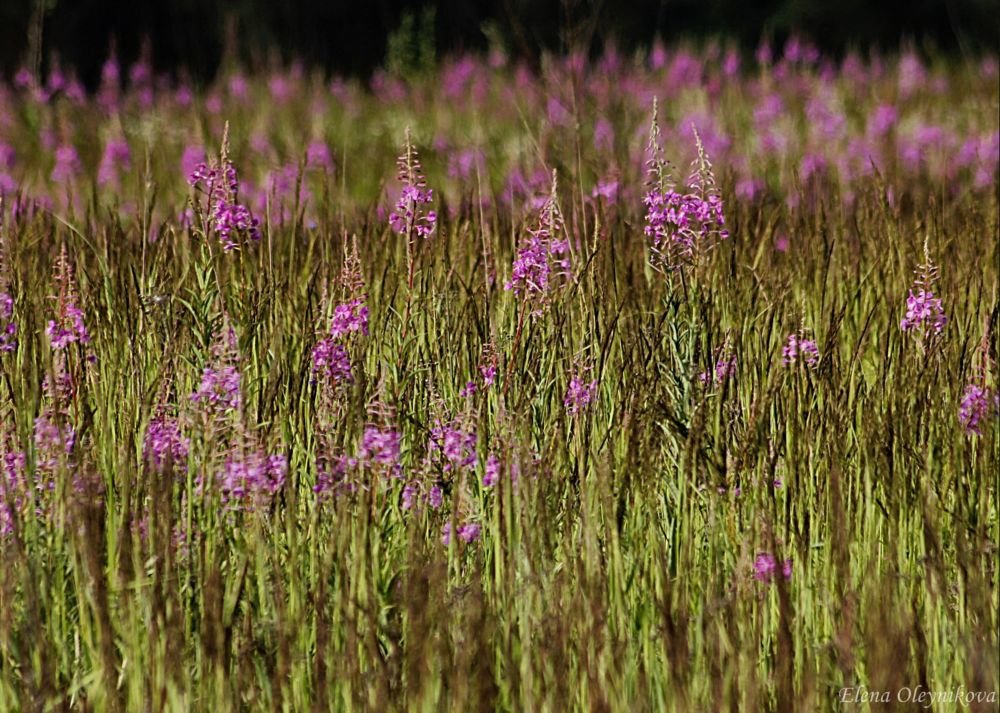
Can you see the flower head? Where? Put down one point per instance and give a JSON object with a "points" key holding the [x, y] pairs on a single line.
{"points": [[455, 443], [219, 388], [8, 327], [165, 444], [229, 219], [67, 164], [540, 267], [722, 369], [766, 568], [380, 446], [799, 347], [978, 405], [348, 318], [924, 312], [580, 391], [467, 532], [117, 157], [68, 326], [491, 475], [251, 479], [411, 218], [684, 226]]}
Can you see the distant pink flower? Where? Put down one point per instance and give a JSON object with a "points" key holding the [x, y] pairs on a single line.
{"points": [[348, 318], [766, 568], [411, 218], [67, 164], [380, 446], [219, 388], [923, 313], [723, 368], [798, 347], [251, 480], [331, 363], [8, 327], [978, 405], [491, 474], [579, 393], [467, 533]]}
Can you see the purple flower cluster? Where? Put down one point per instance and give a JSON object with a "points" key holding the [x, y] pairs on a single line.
{"points": [[230, 219], [799, 347], [67, 164], [724, 367], [978, 404], [331, 363], [467, 532], [68, 327], [682, 225], [349, 317], [8, 327], [12, 496], [52, 443], [491, 474], [539, 264], [411, 218], [117, 157], [332, 475], [766, 568], [318, 156], [252, 479], [924, 313], [379, 450], [579, 394], [165, 444], [458, 446], [219, 389], [233, 220], [380, 447]]}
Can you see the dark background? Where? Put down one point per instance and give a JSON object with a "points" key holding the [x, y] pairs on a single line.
{"points": [[352, 36]]}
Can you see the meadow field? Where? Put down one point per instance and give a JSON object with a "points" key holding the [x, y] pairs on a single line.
{"points": [[654, 382]]}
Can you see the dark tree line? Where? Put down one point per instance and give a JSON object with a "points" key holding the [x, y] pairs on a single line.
{"points": [[353, 36]]}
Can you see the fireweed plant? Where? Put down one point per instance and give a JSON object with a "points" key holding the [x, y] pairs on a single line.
{"points": [[274, 436]]}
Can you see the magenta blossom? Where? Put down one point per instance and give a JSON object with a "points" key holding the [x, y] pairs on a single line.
{"points": [[579, 394], [923, 313], [165, 443], [252, 479], [331, 363], [541, 266], [412, 218], [467, 532], [457, 445], [67, 328], [219, 389], [798, 347], [766, 568], [977, 406], [380, 447], [724, 367], [8, 327], [349, 317], [492, 472], [67, 164]]}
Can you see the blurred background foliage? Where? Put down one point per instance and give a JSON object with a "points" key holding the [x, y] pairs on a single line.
{"points": [[197, 37]]}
